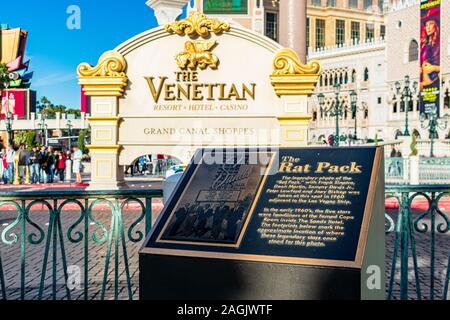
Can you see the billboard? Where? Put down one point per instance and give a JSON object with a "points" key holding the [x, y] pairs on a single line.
{"points": [[225, 6], [430, 55], [19, 102]]}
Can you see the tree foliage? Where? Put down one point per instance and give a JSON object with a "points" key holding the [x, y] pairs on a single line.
{"points": [[49, 110], [25, 137]]}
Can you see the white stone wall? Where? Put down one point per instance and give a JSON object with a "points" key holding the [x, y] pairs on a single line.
{"points": [[358, 57]]}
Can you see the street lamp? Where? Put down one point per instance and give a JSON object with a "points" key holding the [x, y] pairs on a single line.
{"points": [[406, 93], [335, 110], [43, 128], [355, 109], [434, 124], [69, 128]]}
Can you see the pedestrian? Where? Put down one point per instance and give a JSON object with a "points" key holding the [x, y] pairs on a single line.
{"points": [[49, 165], [68, 165], [10, 153], [61, 165], [77, 157], [4, 167], [43, 165], [24, 161], [35, 168]]}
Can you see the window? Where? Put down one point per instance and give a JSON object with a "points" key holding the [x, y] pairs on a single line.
{"points": [[380, 100], [381, 5], [447, 100], [353, 76], [331, 3], [340, 32], [366, 74], [353, 4], [355, 31], [370, 31], [402, 105], [272, 25], [320, 33], [410, 105], [317, 3], [367, 4], [413, 51], [307, 33], [315, 116], [395, 107], [383, 31]]}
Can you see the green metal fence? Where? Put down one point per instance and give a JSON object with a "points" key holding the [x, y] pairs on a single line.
{"points": [[420, 215], [23, 231], [410, 227]]}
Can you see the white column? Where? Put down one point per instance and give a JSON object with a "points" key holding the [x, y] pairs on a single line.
{"points": [[167, 11]]}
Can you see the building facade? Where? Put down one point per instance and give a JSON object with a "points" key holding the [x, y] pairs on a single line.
{"points": [[359, 68], [403, 58]]}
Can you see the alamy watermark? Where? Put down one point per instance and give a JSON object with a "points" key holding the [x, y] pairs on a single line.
{"points": [[73, 21]]}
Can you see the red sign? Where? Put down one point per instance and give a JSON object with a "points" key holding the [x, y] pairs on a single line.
{"points": [[430, 55], [15, 103]]}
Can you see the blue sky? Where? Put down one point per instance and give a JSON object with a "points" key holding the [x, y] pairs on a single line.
{"points": [[55, 51]]}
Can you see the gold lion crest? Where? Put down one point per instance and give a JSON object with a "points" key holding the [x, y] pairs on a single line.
{"points": [[198, 54]]}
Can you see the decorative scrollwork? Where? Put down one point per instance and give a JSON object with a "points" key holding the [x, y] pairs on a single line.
{"points": [[34, 238], [287, 62], [131, 229], [78, 234], [11, 238], [110, 64], [197, 24], [95, 237]]}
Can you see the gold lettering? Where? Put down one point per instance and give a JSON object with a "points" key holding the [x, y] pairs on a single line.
{"points": [[233, 93], [250, 92], [197, 95], [170, 95], [156, 93], [185, 92]]}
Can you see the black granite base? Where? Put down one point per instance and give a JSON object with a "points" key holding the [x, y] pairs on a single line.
{"points": [[187, 278]]}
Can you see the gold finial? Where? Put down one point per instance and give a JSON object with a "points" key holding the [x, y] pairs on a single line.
{"points": [[287, 62], [291, 77], [110, 64], [197, 24]]}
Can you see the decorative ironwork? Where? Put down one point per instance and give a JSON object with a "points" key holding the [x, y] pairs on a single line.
{"points": [[85, 231], [407, 226]]}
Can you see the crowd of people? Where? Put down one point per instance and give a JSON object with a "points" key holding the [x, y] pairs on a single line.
{"points": [[42, 164]]}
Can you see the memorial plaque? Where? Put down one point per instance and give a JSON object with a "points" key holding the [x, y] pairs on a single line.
{"points": [[290, 207]]}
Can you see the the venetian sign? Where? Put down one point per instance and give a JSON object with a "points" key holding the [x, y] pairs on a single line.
{"points": [[194, 83], [200, 82]]}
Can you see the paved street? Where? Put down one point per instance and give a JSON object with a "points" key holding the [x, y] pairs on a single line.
{"points": [[97, 255]]}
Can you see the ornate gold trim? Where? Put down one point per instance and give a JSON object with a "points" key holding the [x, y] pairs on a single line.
{"points": [[104, 148], [197, 24], [198, 54], [293, 118], [110, 64], [104, 121], [107, 78], [291, 77]]}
